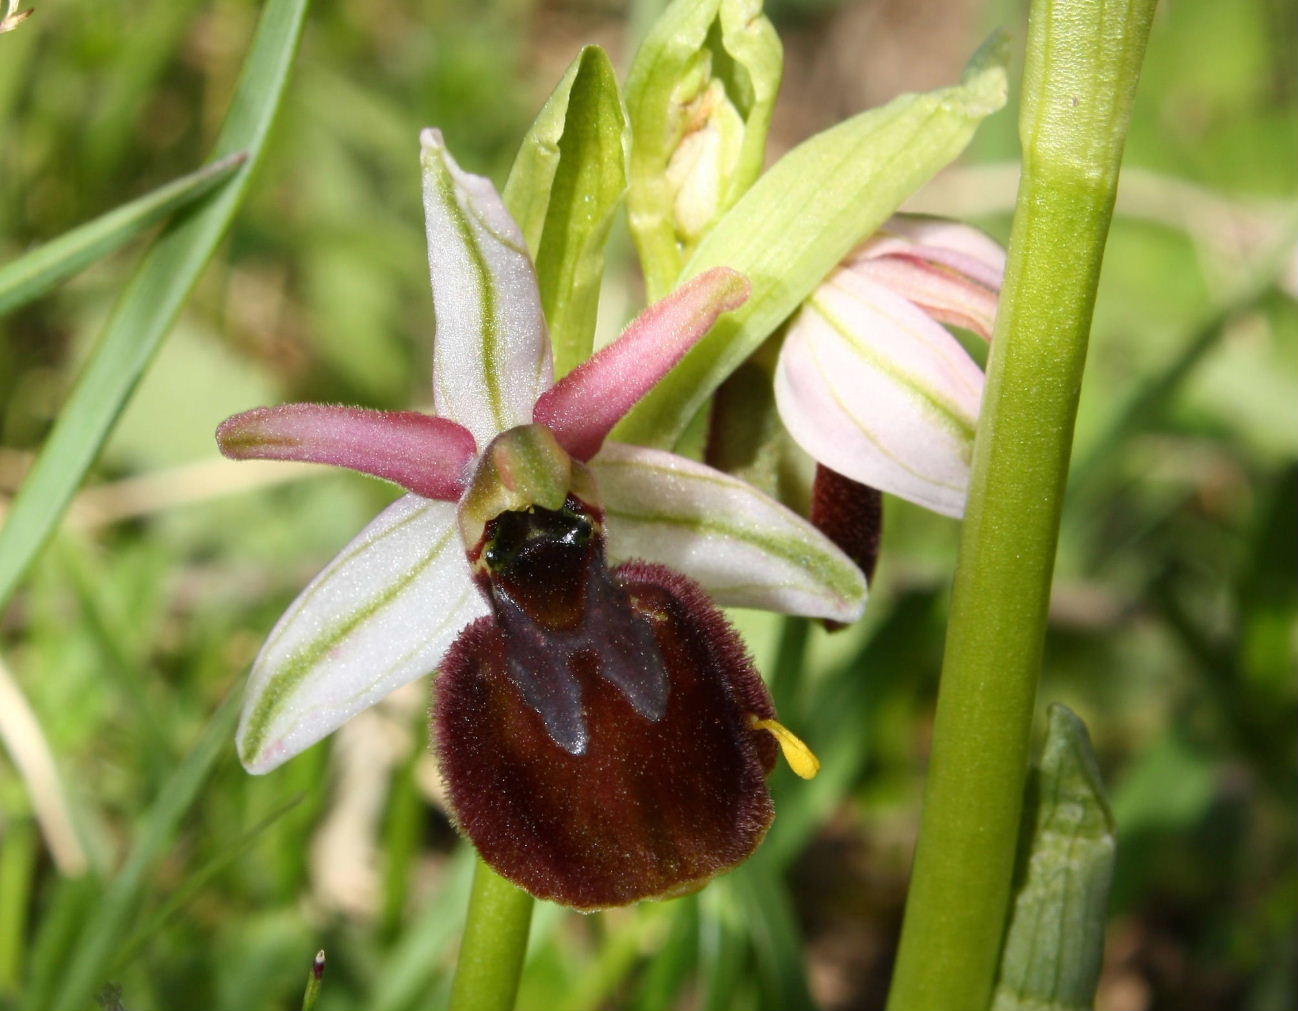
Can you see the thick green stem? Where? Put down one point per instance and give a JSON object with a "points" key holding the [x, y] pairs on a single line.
{"points": [[1083, 60], [494, 943]]}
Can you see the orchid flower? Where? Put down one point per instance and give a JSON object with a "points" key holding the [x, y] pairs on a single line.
{"points": [[871, 384], [603, 735]]}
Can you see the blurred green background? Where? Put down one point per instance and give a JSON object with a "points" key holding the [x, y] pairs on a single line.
{"points": [[1173, 622]]}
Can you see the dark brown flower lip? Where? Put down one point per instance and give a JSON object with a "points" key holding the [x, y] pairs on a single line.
{"points": [[651, 808], [850, 514]]}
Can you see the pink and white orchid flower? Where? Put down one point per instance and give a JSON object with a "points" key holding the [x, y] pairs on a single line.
{"points": [[869, 382], [388, 608]]}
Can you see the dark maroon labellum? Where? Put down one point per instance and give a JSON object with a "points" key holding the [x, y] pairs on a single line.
{"points": [[595, 732], [850, 514]]}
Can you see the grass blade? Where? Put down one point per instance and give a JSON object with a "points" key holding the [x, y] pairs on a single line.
{"points": [[150, 303], [195, 882], [425, 949], [98, 943], [35, 273], [71, 902], [773, 930]]}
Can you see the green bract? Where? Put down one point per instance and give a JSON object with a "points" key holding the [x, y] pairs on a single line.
{"points": [[565, 186]]}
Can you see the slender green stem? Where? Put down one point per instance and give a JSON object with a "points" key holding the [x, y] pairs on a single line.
{"points": [[1083, 60], [314, 980], [494, 943]]}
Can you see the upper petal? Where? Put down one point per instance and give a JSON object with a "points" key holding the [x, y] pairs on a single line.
{"points": [[944, 294], [746, 549], [426, 455], [961, 247], [491, 352], [381, 614], [869, 385], [951, 270], [584, 406]]}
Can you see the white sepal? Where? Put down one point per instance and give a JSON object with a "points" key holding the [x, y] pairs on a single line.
{"points": [[872, 387], [745, 548], [381, 614], [491, 350]]}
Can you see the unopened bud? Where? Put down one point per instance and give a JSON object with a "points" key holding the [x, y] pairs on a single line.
{"points": [[699, 100], [704, 162]]}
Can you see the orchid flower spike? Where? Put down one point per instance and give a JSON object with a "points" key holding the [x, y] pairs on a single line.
{"points": [[871, 384], [603, 734]]}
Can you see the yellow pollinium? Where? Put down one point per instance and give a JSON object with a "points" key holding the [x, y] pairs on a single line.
{"points": [[801, 759]]}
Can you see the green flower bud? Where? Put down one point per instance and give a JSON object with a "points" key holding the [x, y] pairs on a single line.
{"points": [[703, 162], [699, 99]]}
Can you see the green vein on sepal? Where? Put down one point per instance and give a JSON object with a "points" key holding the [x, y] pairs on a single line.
{"points": [[844, 580], [940, 410], [280, 687], [487, 302], [344, 559]]}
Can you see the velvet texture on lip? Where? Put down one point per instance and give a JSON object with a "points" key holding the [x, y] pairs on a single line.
{"points": [[651, 808]]}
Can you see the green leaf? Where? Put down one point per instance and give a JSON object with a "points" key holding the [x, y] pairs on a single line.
{"points": [[150, 303], [1055, 941], [531, 177], [699, 95], [97, 944], [805, 215], [35, 273], [564, 189]]}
